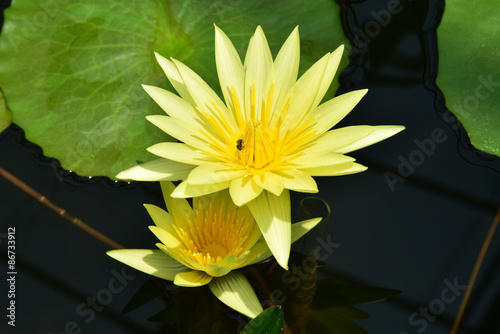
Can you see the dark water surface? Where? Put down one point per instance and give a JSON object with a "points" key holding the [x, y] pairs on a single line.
{"points": [[414, 222]]}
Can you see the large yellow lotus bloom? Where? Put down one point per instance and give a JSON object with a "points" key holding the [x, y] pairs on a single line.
{"points": [[269, 134], [205, 245]]}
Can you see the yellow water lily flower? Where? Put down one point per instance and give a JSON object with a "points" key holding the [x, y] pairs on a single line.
{"points": [[205, 244], [270, 133]]}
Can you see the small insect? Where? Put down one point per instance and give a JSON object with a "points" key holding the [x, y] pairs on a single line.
{"points": [[239, 144]]}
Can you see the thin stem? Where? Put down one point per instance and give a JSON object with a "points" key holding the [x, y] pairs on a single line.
{"points": [[475, 271], [45, 201]]}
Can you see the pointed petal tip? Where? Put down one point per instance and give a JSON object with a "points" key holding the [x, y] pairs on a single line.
{"points": [[283, 262], [235, 291], [192, 279], [148, 88], [122, 176], [259, 31], [154, 118], [392, 130], [159, 57]]}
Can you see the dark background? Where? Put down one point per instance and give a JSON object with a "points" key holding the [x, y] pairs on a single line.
{"points": [[414, 221]]}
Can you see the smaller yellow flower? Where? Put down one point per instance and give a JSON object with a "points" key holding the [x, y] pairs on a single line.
{"points": [[204, 245]]}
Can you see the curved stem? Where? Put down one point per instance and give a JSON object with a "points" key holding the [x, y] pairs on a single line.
{"points": [[45, 201], [475, 271]]}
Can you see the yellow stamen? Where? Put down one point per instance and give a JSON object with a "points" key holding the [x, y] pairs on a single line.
{"points": [[237, 109], [214, 230]]}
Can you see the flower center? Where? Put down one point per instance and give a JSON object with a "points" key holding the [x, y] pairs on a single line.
{"points": [[215, 230], [257, 146], [214, 250], [261, 141]]}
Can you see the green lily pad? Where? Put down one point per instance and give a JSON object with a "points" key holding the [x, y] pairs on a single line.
{"points": [[71, 73], [469, 63], [5, 115], [268, 322]]}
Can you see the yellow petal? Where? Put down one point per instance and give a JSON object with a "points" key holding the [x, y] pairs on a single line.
{"points": [[174, 77], [157, 170], [170, 240], [180, 130], [179, 208], [272, 214], [222, 198], [381, 132], [192, 265], [317, 159], [336, 139], [258, 253], [330, 70], [253, 237], [192, 279], [270, 181], [301, 228], [213, 173], [286, 68], [150, 261], [243, 190], [186, 190], [235, 291], [297, 180], [336, 170], [172, 104], [261, 252], [205, 98], [232, 262], [229, 68], [333, 111], [160, 217], [180, 152], [258, 68], [216, 269], [303, 94]]}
